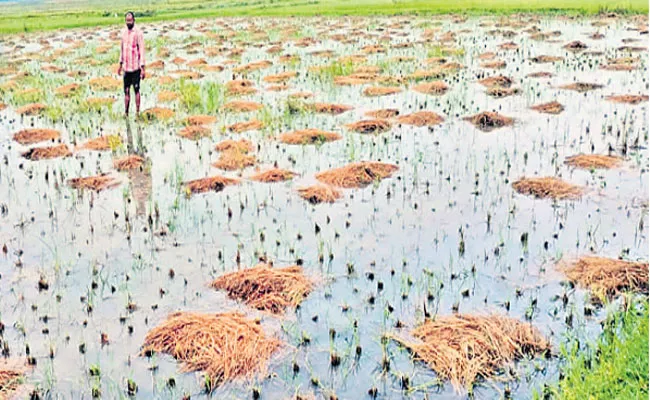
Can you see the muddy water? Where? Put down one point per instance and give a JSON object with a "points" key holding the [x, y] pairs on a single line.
{"points": [[107, 256]]}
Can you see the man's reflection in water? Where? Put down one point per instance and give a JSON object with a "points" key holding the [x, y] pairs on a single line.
{"points": [[139, 178]]}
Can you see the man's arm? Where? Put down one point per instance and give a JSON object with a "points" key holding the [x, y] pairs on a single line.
{"points": [[141, 50], [119, 70]]}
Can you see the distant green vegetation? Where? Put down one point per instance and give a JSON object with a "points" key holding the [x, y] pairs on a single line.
{"points": [[16, 18], [617, 365]]}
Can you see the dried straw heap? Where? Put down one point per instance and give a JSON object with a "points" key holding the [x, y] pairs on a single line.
{"points": [[628, 98], [329, 108], [309, 136], [552, 107], [593, 161], [357, 175], [370, 126], [421, 118], [274, 175], [12, 376], [101, 143], [96, 183], [44, 153], [129, 162], [212, 183], [317, 194], [157, 114], [266, 288], [251, 125], [195, 132], [462, 348], [607, 277], [548, 187], [488, 121], [383, 113], [582, 86], [36, 135], [224, 346]]}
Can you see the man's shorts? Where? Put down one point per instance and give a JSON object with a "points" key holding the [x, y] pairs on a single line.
{"points": [[132, 79]]}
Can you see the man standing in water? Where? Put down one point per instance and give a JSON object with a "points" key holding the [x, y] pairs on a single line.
{"points": [[131, 61]]}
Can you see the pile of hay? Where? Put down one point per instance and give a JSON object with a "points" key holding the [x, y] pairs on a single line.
{"points": [[254, 66], [31, 109], [547, 187], [274, 175], [240, 87], [317, 194], [157, 114], [552, 107], [43, 153], [200, 120], [582, 86], [266, 288], [67, 90], [628, 98], [241, 145], [224, 346], [330, 108], [496, 64], [96, 183], [498, 81], [251, 125], [281, 77], [242, 106], [358, 78], [487, 121], [212, 183], [499, 92], [607, 277], [576, 45], [435, 88], [383, 113], [357, 175], [102, 143], [421, 118], [375, 91], [509, 46], [308, 136], [35, 135], [12, 377], [546, 59], [129, 162], [462, 348], [370, 126], [195, 132], [105, 83], [234, 159], [593, 161]]}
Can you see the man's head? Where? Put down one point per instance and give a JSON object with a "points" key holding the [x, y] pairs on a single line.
{"points": [[129, 18]]}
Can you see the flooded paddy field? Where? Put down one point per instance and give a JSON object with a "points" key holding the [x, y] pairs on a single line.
{"points": [[484, 156]]}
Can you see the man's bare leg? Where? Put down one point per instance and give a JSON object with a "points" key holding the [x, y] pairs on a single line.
{"points": [[127, 100], [137, 104]]}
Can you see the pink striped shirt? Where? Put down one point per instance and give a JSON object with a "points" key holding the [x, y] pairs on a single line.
{"points": [[132, 49]]}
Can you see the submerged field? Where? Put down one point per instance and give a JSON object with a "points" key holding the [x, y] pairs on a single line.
{"points": [[402, 169]]}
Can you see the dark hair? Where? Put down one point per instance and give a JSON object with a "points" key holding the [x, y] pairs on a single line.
{"points": [[130, 13]]}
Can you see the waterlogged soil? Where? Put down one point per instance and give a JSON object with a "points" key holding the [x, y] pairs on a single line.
{"points": [[445, 233]]}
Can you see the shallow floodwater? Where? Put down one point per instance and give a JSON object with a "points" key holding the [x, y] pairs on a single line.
{"points": [[107, 256]]}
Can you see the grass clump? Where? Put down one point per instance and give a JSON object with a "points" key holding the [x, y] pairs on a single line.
{"points": [[616, 367]]}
